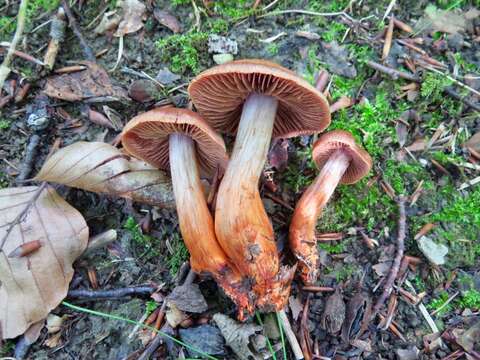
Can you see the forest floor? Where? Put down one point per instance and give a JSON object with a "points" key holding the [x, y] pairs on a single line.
{"points": [[418, 126]]}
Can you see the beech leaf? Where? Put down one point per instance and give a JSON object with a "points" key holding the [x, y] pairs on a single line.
{"points": [[102, 168], [132, 18], [32, 285]]}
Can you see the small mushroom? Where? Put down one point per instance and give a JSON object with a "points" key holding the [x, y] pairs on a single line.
{"points": [[181, 141], [254, 99], [341, 160]]}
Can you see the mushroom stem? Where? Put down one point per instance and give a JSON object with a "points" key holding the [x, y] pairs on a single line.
{"points": [[196, 223], [242, 226], [302, 228]]}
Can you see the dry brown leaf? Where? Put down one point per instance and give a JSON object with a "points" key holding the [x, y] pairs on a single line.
{"points": [[33, 285], [474, 142], [133, 12], [88, 84], [109, 22], [447, 21], [168, 20], [102, 168]]}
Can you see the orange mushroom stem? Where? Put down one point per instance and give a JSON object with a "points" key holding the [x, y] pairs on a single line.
{"points": [[341, 161], [255, 100], [174, 138]]}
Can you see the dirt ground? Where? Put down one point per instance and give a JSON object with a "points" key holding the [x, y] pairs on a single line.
{"points": [[416, 129]]}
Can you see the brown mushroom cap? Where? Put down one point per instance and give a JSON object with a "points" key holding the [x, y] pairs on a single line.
{"points": [[146, 137], [219, 93], [360, 164]]}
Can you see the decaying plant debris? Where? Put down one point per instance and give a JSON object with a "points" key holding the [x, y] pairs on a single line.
{"points": [[388, 270]]}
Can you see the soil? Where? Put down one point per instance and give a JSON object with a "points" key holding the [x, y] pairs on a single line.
{"points": [[342, 47]]}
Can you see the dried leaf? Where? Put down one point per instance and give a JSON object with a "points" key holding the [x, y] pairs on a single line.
{"points": [[474, 142], [99, 119], [109, 22], [334, 313], [295, 306], [174, 316], [54, 323], [133, 12], [189, 298], [92, 82], [447, 21], [168, 20], [237, 336], [402, 133], [33, 285], [102, 168], [468, 338]]}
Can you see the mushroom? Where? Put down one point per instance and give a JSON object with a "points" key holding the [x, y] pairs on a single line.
{"points": [[255, 100], [180, 140], [341, 160]]}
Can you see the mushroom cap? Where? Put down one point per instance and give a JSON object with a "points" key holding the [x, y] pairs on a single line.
{"points": [[360, 164], [219, 93], [146, 137]]}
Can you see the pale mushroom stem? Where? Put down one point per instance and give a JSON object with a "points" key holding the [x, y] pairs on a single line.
{"points": [[196, 223], [308, 209], [241, 223]]}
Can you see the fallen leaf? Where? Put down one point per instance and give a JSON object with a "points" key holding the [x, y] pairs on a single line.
{"points": [[295, 306], [278, 155], [237, 336], [133, 12], [334, 313], [188, 298], [88, 84], [474, 142], [446, 21], [402, 133], [434, 252], [102, 168], [109, 22], [33, 285], [206, 338], [174, 316], [54, 323], [468, 339], [54, 340], [168, 20]]}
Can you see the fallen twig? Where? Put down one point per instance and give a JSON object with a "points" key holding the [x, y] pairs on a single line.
{"points": [[393, 73], [76, 30], [111, 294], [318, 289], [5, 67], [21, 54], [30, 155], [457, 96], [57, 33], [388, 39], [388, 286], [292, 339]]}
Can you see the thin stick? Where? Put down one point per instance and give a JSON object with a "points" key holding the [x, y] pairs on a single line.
{"points": [[109, 294], [87, 51], [22, 214], [292, 339], [30, 155], [5, 67], [388, 287], [393, 73]]}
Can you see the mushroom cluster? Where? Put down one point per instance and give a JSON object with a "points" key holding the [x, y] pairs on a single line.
{"points": [[254, 100]]}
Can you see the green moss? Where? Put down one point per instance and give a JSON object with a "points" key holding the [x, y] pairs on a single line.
{"points": [[4, 124], [179, 254], [332, 248], [150, 306], [370, 123], [7, 348], [439, 304], [3, 180], [217, 26], [297, 180], [7, 27], [334, 32], [344, 273], [433, 86], [135, 231], [470, 300], [402, 176], [180, 2], [233, 9], [272, 49], [183, 51]]}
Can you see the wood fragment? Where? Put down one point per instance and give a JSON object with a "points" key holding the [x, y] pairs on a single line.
{"points": [[57, 34], [322, 80], [22, 54], [318, 289], [412, 47], [329, 236], [87, 51], [92, 278], [111, 294], [393, 328], [70, 69], [388, 286], [290, 335], [393, 73], [342, 103], [371, 243], [402, 26], [29, 160], [388, 39], [416, 194]]}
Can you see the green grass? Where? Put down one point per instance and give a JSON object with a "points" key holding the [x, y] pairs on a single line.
{"points": [[334, 32], [470, 300], [332, 248]]}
